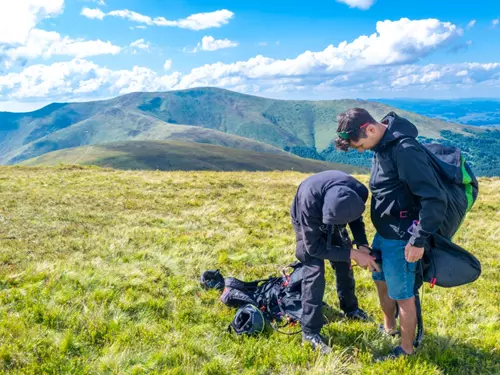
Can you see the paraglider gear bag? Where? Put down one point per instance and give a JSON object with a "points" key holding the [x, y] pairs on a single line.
{"points": [[278, 297]]}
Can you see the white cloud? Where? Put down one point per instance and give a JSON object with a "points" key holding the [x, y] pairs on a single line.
{"points": [[140, 44], [198, 21], [132, 16], [395, 42], [495, 22], [167, 65], [19, 17], [445, 76], [141, 27], [93, 13], [471, 24], [208, 43], [22, 41], [361, 4], [381, 61], [262, 44], [79, 77], [45, 44]]}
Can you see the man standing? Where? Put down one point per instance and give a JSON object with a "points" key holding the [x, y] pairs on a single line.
{"points": [[323, 205], [406, 192]]}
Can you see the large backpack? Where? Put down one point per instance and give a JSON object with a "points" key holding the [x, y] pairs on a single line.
{"points": [[450, 165], [277, 297]]}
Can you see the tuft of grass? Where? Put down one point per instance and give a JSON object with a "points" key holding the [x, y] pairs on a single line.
{"points": [[99, 274]]}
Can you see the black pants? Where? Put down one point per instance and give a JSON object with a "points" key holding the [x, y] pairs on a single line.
{"points": [[313, 289]]}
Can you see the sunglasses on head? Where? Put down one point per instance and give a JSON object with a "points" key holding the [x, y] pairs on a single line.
{"points": [[347, 134]]}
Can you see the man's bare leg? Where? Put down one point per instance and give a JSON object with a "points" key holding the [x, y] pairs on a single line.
{"points": [[388, 306], [408, 322]]}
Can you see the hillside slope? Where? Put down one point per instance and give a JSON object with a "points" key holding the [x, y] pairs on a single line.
{"points": [[188, 156], [302, 127], [100, 275]]}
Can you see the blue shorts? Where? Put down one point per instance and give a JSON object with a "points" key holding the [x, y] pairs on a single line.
{"points": [[398, 274]]}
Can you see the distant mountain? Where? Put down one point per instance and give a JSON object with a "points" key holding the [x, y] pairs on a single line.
{"points": [[476, 112], [204, 115], [173, 155]]}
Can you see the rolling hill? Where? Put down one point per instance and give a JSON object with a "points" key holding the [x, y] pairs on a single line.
{"points": [[174, 155], [206, 115], [276, 122]]}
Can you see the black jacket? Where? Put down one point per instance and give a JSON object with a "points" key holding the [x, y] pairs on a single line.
{"points": [[330, 198], [404, 185]]}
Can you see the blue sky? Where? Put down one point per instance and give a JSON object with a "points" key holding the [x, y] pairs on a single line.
{"points": [[69, 50]]}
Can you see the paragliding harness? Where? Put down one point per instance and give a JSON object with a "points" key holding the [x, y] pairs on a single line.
{"points": [[277, 299]]}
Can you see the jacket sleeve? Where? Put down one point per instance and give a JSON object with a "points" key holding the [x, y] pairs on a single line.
{"points": [[315, 242], [416, 171], [358, 231]]}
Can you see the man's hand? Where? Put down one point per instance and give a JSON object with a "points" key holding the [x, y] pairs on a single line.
{"points": [[365, 249], [413, 254], [364, 260]]}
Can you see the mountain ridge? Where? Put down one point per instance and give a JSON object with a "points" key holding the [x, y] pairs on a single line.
{"points": [[302, 127]]}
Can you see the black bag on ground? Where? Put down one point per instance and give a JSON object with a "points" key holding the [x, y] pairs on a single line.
{"points": [[278, 298]]}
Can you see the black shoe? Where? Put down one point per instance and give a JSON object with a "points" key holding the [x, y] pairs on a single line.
{"points": [[317, 342], [358, 314], [395, 353]]}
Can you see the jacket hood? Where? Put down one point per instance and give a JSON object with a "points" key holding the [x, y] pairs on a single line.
{"points": [[341, 206], [398, 127]]}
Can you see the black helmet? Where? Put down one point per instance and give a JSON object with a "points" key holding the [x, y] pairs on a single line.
{"points": [[249, 320], [212, 280]]}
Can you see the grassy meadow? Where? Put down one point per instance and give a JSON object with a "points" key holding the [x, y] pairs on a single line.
{"points": [[182, 156], [99, 274]]}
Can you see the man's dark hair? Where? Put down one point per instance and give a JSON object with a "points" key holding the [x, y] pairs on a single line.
{"points": [[350, 122]]}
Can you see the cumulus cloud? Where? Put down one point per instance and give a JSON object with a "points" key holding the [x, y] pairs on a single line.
{"points": [[140, 44], [64, 81], [167, 65], [80, 77], [381, 61], [18, 18], [20, 40], [209, 43], [395, 42], [361, 4], [93, 13], [495, 22], [198, 21], [45, 44]]}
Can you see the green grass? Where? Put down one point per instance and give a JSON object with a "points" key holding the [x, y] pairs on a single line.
{"points": [[181, 156], [99, 275]]}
